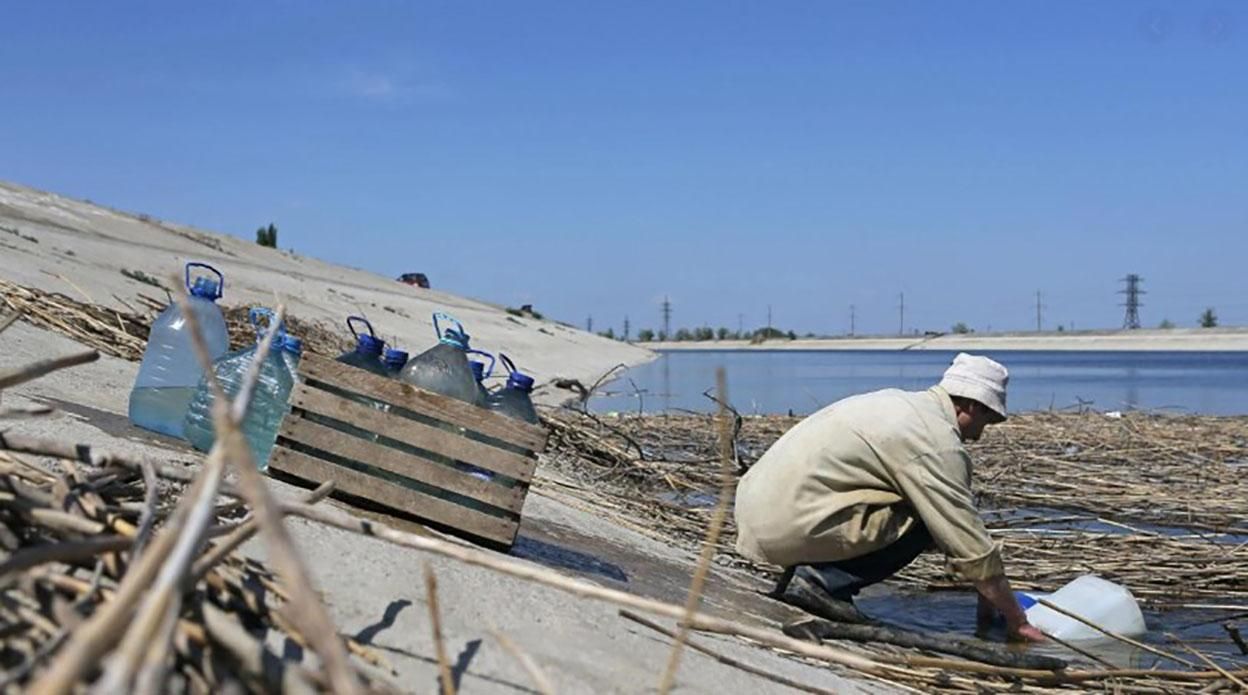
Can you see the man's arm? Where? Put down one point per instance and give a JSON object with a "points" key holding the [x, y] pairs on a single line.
{"points": [[995, 592]]}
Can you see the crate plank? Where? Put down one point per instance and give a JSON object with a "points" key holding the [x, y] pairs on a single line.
{"points": [[403, 463], [395, 496], [432, 439], [456, 412]]}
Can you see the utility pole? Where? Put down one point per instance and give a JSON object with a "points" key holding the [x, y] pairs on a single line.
{"points": [[626, 328], [901, 321], [667, 318], [1132, 318], [1039, 310], [852, 318]]}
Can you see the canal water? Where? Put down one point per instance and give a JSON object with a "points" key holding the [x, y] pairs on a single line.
{"points": [[779, 381]]}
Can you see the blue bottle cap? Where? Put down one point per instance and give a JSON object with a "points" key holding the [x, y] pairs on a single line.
{"points": [[395, 358], [478, 370], [1024, 600], [369, 345], [206, 288], [520, 381], [294, 344]]}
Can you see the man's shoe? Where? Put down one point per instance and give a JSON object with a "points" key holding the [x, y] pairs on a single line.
{"points": [[814, 599]]}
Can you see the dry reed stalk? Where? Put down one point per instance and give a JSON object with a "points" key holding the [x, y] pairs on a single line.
{"points": [[435, 624], [305, 610], [712, 535], [20, 375], [1110, 633], [1210, 662]]}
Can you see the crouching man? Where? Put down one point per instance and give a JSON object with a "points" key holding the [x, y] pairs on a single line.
{"points": [[853, 493]]}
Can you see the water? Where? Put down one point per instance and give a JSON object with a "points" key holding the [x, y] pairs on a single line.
{"points": [[264, 413], [777, 381], [157, 407]]}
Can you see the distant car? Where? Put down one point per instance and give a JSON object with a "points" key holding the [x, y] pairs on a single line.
{"points": [[417, 279]]}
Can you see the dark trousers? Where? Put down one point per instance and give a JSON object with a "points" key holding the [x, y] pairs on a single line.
{"points": [[843, 579]]}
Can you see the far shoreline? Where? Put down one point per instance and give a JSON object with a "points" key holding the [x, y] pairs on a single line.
{"points": [[1142, 340]]}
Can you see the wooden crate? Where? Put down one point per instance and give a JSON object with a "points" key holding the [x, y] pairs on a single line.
{"points": [[384, 454]]}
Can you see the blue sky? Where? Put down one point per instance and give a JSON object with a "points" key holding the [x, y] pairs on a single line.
{"points": [[591, 157]]}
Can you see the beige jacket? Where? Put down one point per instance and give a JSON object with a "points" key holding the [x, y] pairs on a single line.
{"points": [[851, 479]]}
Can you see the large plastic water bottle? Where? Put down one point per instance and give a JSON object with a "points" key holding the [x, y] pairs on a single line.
{"points": [[1101, 602], [292, 352], [514, 399], [367, 352], [268, 401], [170, 371], [394, 360], [444, 368], [478, 373]]}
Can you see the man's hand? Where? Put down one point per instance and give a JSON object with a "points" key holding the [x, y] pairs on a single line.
{"points": [[995, 595], [1027, 633]]}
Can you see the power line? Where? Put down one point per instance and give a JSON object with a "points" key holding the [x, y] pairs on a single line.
{"points": [[1131, 319]]}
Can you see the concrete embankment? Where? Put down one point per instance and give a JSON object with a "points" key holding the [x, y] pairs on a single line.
{"points": [[1175, 339]]}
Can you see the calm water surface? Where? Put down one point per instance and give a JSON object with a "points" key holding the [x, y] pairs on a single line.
{"points": [[776, 381]]}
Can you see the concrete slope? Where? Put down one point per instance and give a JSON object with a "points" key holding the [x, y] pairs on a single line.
{"points": [[80, 249]]}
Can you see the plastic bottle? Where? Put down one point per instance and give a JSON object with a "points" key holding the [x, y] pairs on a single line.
{"points": [[367, 352], [268, 401], [513, 400], [478, 373], [394, 360], [170, 372], [292, 352], [444, 368], [1099, 601]]}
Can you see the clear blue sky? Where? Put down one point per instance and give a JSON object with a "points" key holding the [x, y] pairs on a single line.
{"points": [[591, 157]]}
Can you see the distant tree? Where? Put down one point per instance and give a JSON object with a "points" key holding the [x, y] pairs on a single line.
{"points": [[721, 333], [768, 334], [645, 335], [1166, 324], [662, 336], [1208, 319], [267, 236], [704, 333], [1061, 328], [609, 333], [683, 334], [791, 335], [960, 327]]}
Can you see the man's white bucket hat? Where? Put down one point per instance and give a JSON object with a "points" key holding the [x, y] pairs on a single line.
{"points": [[979, 379]]}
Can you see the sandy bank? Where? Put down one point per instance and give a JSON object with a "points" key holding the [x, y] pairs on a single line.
{"points": [[1175, 339]]}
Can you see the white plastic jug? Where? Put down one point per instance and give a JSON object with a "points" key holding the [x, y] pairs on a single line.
{"points": [[1102, 602]]}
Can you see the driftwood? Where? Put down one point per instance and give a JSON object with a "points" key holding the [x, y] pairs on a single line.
{"points": [[818, 629]]}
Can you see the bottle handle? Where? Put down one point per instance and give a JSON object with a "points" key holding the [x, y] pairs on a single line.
{"points": [[362, 320], [489, 370], [511, 366], [214, 271], [455, 336]]}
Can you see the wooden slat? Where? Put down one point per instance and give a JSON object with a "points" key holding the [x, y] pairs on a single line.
{"points": [[432, 439], [405, 464], [395, 496], [456, 412]]}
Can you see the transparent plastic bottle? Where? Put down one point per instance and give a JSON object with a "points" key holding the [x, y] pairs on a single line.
{"points": [[514, 399], [292, 352], [394, 360], [170, 371], [368, 347], [444, 368], [268, 404]]}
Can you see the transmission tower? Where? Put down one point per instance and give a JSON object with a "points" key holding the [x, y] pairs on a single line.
{"points": [[1133, 292], [901, 319], [667, 318], [589, 325], [1039, 312], [853, 317], [626, 328]]}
